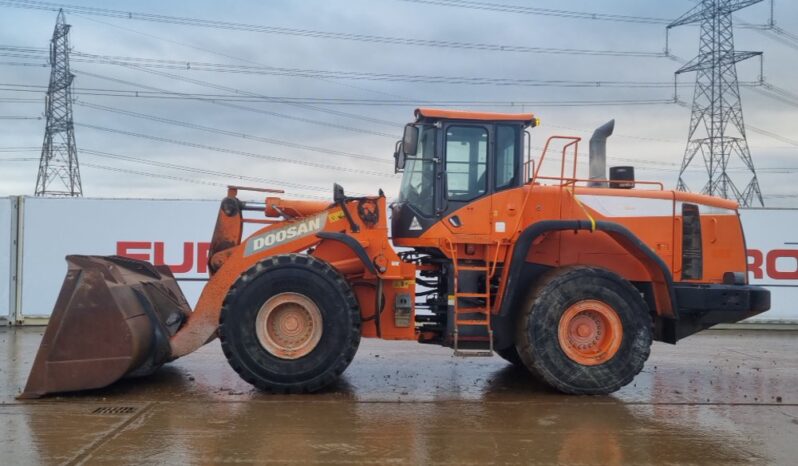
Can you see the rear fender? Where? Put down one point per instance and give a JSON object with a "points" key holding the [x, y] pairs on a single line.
{"points": [[661, 278]]}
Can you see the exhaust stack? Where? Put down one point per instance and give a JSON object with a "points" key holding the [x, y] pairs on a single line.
{"points": [[598, 154]]}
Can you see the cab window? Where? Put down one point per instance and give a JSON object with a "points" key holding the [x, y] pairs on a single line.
{"points": [[418, 179], [466, 162], [506, 157]]}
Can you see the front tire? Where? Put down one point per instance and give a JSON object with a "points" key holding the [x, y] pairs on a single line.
{"points": [[584, 331], [290, 324]]}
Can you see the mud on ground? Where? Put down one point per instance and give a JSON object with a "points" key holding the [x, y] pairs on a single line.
{"points": [[723, 397]]}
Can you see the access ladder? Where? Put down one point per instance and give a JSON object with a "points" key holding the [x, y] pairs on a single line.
{"points": [[471, 315]]}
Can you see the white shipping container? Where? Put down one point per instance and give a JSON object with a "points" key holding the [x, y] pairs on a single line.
{"points": [[177, 233], [174, 232], [6, 252], [772, 239]]}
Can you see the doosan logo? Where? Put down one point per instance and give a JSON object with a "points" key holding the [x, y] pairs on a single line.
{"points": [[281, 235]]}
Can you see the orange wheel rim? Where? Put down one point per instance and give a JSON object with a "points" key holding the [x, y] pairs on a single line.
{"points": [[590, 332], [289, 325]]}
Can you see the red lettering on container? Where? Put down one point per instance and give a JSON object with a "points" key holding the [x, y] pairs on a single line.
{"points": [[194, 254], [123, 249], [755, 260], [777, 274]]}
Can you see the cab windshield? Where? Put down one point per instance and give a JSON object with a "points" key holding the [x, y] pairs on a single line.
{"points": [[418, 180]]}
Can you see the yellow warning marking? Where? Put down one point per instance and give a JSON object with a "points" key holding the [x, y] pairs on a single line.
{"points": [[402, 283], [337, 215], [581, 206]]}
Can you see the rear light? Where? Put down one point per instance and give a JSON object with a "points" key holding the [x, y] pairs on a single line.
{"points": [[692, 251]]}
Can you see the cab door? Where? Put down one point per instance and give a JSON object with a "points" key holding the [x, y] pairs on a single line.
{"points": [[467, 207], [507, 174]]}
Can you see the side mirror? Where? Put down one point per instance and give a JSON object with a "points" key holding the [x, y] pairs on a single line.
{"points": [[399, 157], [410, 140], [338, 193]]}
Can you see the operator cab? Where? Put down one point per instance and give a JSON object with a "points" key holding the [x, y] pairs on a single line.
{"points": [[452, 158]]}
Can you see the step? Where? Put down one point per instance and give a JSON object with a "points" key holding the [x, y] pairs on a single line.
{"points": [[473, 353], [472, 295], [481, 323], [472, 268], [470, 310]]}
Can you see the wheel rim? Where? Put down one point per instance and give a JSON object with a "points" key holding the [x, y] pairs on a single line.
{"points": [[289, 325], [590, 332]]}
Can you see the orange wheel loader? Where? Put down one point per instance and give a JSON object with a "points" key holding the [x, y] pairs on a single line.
{"points": [[571, 278]]}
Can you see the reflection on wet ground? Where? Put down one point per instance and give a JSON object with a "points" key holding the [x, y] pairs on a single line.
{"points": [[721, 397]]}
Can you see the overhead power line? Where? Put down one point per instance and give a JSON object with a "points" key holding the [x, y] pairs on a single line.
{"points": [[203, 171], [303, 101], [773, 135], [236, 134], [214, 98], [13, 100], [527, 10], [20, 149], [392, 40], [20, 159], [236, 152], [569, 14], [255, 95], [230, 176], [153, 175], [220, 53], [189, 65], [778, 97]]}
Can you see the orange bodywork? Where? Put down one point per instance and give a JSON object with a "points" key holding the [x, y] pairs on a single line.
{"points": [[488, 231], [231, 256], [651, 213], [477, 116]]}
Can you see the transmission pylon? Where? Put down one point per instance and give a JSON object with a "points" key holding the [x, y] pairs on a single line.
{"points": [[59, 173], [717, 131]]}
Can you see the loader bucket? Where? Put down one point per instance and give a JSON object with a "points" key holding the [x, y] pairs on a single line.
{"points": [[112, 319]]}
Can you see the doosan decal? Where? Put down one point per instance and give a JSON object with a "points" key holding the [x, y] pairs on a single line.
{"points": [[279, 236]]}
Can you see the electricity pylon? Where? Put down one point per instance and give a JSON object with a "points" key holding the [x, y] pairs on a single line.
{"points": [[59, 173], [717, 130]]}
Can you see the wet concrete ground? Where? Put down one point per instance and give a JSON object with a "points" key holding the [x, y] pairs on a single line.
{"points": [[723, 397]]}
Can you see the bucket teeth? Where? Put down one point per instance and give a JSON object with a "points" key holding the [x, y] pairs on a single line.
{"points": [[113, 318]]}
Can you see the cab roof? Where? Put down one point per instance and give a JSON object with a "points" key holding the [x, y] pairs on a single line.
{"points": [[434, 113]]}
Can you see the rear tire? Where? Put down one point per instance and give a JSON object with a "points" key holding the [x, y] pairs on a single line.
{"points": [[585, 331], [308, 330]]}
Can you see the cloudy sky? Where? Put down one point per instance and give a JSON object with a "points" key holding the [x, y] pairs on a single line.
{"points": [[298, 51]]}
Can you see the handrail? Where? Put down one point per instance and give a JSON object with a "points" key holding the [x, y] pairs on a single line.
{"points": [[574, 143], [573, 181], [573, 139]]}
